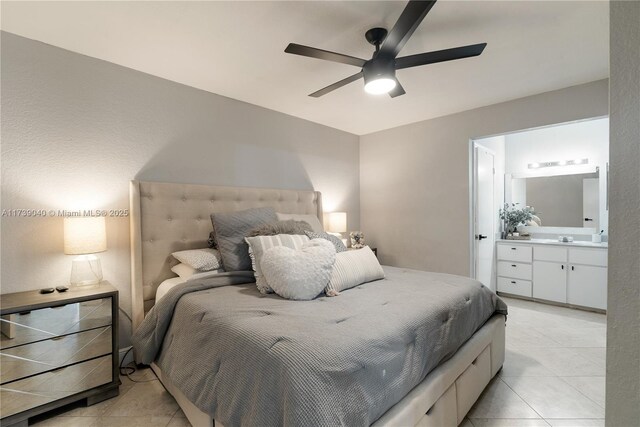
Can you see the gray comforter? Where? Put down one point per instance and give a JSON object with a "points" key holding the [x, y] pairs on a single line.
{"points": [[260, 360]]}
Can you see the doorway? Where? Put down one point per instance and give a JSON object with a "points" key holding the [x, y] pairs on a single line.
{"points": [[560, 171]]}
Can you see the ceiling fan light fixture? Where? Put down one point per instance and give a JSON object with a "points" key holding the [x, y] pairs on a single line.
{"points": [[379, 76], [379, 72], [380, 86]]}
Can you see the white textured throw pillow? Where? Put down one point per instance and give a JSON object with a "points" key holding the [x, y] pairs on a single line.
{"points": [[258, 245], [299, 274], [310, 219], [353, 268], [205, 259]]}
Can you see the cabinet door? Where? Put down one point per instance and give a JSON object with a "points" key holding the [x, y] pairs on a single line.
{"points": [[550, 281], [588, 286]]}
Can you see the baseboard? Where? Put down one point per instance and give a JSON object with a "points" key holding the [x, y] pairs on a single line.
{"points": [[129, 356]]}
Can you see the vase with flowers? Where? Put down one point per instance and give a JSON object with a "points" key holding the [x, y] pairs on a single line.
{"points": [[512, 217]]}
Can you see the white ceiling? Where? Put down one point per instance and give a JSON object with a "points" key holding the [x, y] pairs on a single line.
{"points": [[236, 49]]}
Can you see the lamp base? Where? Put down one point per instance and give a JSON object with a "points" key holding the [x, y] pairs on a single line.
{"points": [[86, 270]]}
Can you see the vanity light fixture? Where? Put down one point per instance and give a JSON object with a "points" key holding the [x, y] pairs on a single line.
{"points": [[558, 163]]}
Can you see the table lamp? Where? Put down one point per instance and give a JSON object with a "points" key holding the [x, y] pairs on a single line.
{"points": [[338, 224], [85, 236]]}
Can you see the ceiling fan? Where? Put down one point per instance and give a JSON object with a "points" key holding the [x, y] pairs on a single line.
{"points": [[379, 72]]}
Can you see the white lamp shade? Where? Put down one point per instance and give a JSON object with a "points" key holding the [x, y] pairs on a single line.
{"points": [[337, 222], [84, 235]]}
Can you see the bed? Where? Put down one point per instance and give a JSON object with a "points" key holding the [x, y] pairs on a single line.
{"points": [[432, 385]]}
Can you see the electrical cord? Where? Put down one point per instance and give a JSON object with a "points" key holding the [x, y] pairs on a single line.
{"points": [[125, 314], [128, 370]]}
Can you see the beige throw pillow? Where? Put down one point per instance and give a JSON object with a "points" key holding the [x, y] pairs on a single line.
{"points": [[352, 268]]}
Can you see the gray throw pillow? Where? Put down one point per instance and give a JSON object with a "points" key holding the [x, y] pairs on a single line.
{"points": [[230, 229], [290, 226], [337, 243]]}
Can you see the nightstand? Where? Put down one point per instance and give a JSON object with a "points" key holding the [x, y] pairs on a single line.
{"points": [[374, 250], [56, 349]]}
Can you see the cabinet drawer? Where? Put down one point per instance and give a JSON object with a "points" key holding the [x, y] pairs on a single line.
{"points": [[520, 253], [21, 395], [48, 355], [46, 323], [470, 384], [514, 286], [443, 412], [514, 270], [597, 257], [549, 253]]}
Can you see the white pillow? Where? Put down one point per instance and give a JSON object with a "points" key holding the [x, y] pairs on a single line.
{"points": [[166, 286], [186, 272], [205, 259], [312, 220], [353, 268], [299, 274], [259, 244]]}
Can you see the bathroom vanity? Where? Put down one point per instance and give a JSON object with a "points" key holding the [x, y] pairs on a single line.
{"points": [[545, 270]]}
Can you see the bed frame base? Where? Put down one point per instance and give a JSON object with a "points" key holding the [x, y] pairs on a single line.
{"points": [[442, 399]]}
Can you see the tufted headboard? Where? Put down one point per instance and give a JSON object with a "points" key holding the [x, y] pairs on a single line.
{"points": [[168, 217]]}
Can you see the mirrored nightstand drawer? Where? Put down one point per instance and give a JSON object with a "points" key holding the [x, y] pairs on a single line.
{"points": [[21, 395], [47, 323], [48, 355]]}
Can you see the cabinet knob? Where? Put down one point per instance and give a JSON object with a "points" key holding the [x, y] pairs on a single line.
{"points": [[513, 281], [562, 266], [572, 268], [513, 265], [514, 249]]}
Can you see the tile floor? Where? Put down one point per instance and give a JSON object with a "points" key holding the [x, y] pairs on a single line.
{"points": [[553, 375]]}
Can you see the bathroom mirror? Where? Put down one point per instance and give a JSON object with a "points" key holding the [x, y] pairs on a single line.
{"points": [[569, 200]]}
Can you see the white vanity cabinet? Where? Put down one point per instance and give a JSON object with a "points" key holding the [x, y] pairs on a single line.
{"points": [[566, 274], [587, 285], [550, 273], [550, 281], [514, 269]]}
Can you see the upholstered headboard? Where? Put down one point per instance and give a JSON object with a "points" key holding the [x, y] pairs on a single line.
{"points": [[168, 217]]}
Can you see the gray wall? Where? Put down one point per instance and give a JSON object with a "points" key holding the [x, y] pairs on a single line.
{"points": [[75, 130], [414, 179], [623, 315]]}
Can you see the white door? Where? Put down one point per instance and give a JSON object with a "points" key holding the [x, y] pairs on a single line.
{"points": [[485, 217], [588, 286], [550, 281], [590, 203]]}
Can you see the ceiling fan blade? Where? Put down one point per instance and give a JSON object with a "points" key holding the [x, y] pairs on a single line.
{"points": [[312, 52], [397, 91], [439, 56], [411, 17], [336, 85]]}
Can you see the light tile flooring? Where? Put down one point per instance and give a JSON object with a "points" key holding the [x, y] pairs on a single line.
{"points": [[553, 375]]}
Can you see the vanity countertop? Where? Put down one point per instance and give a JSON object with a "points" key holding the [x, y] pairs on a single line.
{"points": [[579, 243]]}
